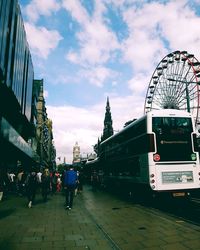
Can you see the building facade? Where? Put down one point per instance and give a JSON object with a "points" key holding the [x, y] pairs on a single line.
{"points": [[16, 85], [43, 142], [19, 95]]}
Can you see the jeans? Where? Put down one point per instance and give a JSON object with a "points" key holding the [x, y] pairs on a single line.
{"points": [[69, 195]]}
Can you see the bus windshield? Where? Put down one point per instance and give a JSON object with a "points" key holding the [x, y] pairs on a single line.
{"points": [[173, 138]]}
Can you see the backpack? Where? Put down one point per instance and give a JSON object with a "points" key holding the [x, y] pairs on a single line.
{"points": [[70, 177]]}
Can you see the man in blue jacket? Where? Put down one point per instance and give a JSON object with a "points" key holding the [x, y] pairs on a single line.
{"points": [[70, 183]]}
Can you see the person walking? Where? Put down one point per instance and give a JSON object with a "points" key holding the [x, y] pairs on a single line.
{"points": [[53, 182], [70, 183], [94, 180], [39, 179], [12, 180], [59, 184], [2, 184], [20, 182], [80, 182], [45, 184], [31, 186]]}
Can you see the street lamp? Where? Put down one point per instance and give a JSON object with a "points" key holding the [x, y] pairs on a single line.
{"points": [[186, 89]]}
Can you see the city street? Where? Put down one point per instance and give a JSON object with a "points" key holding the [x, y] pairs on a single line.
{"points": [[98, 221]]}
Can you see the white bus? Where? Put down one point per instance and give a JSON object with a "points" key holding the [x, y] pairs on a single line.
{"points": [[157, 152]]}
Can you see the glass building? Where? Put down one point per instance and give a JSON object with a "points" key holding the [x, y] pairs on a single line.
{"points": [[16, 86]]}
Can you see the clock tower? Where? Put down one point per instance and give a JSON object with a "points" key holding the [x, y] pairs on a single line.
{"points": [[76, 153]]}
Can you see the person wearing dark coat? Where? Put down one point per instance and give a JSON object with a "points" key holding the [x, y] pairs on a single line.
{"points": [[45, 184], [31, 186]]}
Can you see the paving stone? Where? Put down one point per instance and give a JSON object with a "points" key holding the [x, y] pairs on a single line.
{"points": [[95, 222]]}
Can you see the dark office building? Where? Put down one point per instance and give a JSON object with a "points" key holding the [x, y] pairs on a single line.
{"points": [[16, 86]]}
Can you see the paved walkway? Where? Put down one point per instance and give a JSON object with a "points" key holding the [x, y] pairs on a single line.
{"points": [[97, 222]]}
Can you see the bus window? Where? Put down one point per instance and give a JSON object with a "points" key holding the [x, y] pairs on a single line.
{"points": [[157, 125], [173, 138], [171, 125]]}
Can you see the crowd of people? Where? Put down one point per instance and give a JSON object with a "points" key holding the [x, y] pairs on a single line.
{"points": [[43, 182]]}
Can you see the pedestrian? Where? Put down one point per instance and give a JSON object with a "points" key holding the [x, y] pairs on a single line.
{"points": [[80, 182], [20, 182], [45, 184], [31, 186], [39, 175], [59, 184], [2, 184], [76, 187], [12, 180], [70, 182], [53, 182], [62, 181], [94, 180]]}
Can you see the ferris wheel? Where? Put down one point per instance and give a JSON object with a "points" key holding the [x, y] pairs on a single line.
{"points": [[175, 84]]}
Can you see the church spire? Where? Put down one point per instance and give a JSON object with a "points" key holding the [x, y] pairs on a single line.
{"points": [[108, 129]]}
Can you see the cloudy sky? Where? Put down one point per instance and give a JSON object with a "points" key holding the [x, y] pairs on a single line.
{"points": [[86, 50]]}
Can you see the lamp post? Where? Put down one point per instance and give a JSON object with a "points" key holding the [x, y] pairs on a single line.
{"points": [[186, 90]]}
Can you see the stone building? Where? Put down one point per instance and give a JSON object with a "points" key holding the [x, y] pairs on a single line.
{"points": [[43, 142], [76, 153]]}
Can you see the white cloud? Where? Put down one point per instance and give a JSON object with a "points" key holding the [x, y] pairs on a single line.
{"points": [[96, 40], [41, 7], [72, 57], [41, 40], [143, 47], [71, 124], [157, 28], [124, 109], [138, 84], [97, 43], [85, 126], [181, 27], [97, 75], [77, 11], [114, 83]]}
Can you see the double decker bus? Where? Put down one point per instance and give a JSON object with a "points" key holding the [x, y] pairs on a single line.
{"points": [[157, 152]]}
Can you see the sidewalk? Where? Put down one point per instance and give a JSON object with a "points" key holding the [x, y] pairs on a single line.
{"points": [[98, 221], [47, 225]]}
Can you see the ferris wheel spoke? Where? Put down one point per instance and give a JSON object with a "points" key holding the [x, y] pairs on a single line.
{"points": [[184, 92], [159, 101], [183, 101], [185, 98], [174, 84], [185, 74]]}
